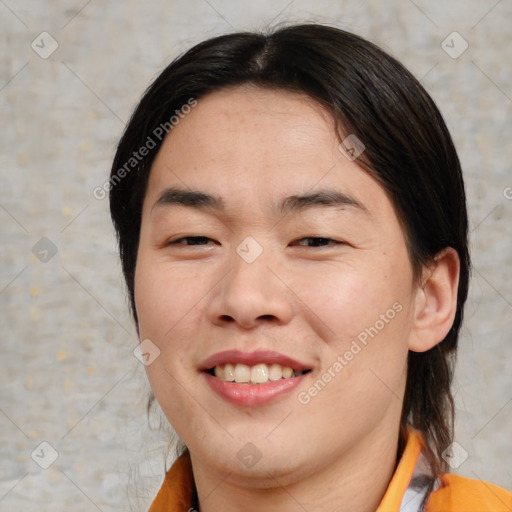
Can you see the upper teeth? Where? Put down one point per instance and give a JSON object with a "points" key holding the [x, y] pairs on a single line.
{"points": [[258, 374]]}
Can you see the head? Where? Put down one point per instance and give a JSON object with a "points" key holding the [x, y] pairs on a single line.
{"points": [[298, 191]]}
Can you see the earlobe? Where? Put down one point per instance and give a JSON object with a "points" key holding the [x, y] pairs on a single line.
{"points": [[436, 302]]}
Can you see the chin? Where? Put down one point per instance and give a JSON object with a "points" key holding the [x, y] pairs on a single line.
{"points": [[260, 461], [268, 472]]}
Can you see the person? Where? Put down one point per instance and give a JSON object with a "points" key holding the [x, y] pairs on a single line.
{"points": [[292, 226]]}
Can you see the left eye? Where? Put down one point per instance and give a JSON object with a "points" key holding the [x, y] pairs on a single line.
{"points": [[312, 241]]}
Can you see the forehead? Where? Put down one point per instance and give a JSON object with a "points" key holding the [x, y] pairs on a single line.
{"points": [[254, 146]]}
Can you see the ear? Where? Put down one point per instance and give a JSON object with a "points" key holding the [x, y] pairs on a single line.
{"points": [[436, 301]]}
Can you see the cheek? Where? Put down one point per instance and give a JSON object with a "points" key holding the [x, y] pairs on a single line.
{"points": [[164, 297], [364, 313], [344, 301], [168, 304], [364, 354]]}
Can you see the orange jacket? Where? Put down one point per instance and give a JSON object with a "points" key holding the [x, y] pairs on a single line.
{"points": [[454, 494]]}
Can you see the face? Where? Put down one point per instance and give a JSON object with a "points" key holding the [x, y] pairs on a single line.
{"points": [[264, 248]]}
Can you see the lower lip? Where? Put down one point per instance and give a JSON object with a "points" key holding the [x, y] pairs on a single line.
{"points": [[253, 394]]}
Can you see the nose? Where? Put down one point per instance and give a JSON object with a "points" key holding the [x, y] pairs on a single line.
{"points": [[249, 295]]}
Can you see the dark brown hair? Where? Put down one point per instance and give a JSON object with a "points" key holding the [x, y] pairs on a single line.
{"points": [[408, 149]]}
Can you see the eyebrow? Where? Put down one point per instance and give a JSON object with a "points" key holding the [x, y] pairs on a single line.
{"points": [[190, 198], [328, 197], [295, 203]]}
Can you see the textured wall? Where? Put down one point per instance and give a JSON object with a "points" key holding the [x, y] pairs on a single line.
{"points": [[68, 373]]}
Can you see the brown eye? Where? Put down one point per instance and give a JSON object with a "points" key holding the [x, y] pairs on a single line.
{"points": [[191, 240], [312, 241]]}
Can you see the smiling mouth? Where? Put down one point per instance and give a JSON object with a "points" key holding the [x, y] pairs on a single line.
{"points": [[260, 373]]}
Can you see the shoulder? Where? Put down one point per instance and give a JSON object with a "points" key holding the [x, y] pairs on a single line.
{"points": [[459, 494]]}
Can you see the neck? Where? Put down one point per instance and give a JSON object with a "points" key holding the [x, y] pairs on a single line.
{"points": [[357, 480]]}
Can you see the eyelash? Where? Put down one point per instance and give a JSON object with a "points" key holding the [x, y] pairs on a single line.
{"points": [[203, 238], [178, 241]]}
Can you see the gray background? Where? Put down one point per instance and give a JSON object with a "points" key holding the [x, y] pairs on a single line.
{"points": [[68, 373]]}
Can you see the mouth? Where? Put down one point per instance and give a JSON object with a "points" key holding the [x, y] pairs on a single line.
{"points": [[251, 379]]}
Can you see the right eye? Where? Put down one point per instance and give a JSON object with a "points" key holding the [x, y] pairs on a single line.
{"points": [[190, 240]]}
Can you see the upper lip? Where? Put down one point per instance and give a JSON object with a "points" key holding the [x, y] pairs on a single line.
{"points": [[251, 359]]}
